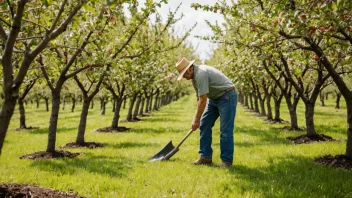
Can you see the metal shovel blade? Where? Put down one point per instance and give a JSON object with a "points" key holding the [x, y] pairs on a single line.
{"points": [[160, 156]]}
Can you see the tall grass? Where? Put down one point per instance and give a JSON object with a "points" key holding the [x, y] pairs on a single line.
{"points": [[266, 164]]}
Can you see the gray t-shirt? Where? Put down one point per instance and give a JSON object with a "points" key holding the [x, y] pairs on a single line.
{"points": [[211, 81]]}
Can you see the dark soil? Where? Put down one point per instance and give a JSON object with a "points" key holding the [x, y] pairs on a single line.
{"points": [[338, 161], [112, 130], [289, 128], [90, 145], [28, 191], [48, 155], [305, 139]]}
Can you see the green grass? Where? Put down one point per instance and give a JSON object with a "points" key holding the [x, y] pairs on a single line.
{"points": [[266, 164]]}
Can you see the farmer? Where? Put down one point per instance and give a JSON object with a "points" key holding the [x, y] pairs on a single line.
{"points": [[216, 97]]}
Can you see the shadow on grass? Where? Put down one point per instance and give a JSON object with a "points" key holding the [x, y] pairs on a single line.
{"points": [[292, 176], [160, 119], [270, 136], [131, 145], [103, 165], [329, 114], [337, 129], [46, 130], [158, 130]]}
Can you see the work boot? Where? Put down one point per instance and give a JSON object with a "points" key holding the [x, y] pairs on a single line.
{"points": [[203, 161], [225, 164]]}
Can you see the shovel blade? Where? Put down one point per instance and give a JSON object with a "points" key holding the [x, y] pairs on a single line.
{"points": [[160, 156]]}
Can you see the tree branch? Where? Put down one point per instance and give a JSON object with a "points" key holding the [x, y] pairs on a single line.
{"points": [[9, 46], [3, 33], [46, 76], [74, 56]]}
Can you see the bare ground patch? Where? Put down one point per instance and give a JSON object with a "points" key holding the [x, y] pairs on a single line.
{"points": [[305, 139], [49, 155], [338, 161]]}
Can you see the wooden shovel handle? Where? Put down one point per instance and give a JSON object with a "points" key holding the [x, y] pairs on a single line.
{"points": [[188, 134]]}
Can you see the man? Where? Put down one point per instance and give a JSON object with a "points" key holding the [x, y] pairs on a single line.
{"points": [[216, 97]]}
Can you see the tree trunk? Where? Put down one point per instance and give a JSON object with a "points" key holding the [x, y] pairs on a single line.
{"points": [[277, 110], [47, 104], [246, 100], [124, 102], [22, 114], [103, 107], [147, 104], [130, 109], [101, 103], [64, 103], [349, 131], [83, 121], [136, 109], [116, 118], [37, 101], [262, 107], [277, 102], [338, 98], [141, 107], [73, 104], [113, 105], [256, 105], [322, 98], [251, 101], [292, 108], [8, 107], [151, 103], [309, 113], [268, 105], [53, 122], [92, 104], [155, 108]]}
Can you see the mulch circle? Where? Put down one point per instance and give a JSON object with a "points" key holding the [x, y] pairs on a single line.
{"points": [[29, 191], [338, 161], [90, 145], [49, 155], [305, 139], [112, 130]]}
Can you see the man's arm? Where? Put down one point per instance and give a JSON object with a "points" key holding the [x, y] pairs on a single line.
{"points": [[202, 102]]}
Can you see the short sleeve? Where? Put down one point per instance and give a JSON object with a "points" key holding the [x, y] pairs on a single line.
{"points": [[202, 84]]}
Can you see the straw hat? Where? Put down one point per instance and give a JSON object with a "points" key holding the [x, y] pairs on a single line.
{"points": [[182, 66]]}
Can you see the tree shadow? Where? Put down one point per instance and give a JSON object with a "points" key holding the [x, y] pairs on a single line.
{"points": [[158, 130], [337, 129], [46, 130], [292, 176], [131, 145], [271, 136], [161, 119], [103, 165]]}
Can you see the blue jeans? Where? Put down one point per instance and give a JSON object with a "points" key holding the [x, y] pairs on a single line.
{"points": [[225, 107]]}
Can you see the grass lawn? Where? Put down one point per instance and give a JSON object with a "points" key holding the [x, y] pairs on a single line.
{"points": [[266, 164]]}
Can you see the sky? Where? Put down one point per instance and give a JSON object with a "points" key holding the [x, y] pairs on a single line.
{"points": [[192, 16]]}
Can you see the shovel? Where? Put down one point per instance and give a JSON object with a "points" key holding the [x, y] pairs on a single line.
{"points": [[169, 150]]}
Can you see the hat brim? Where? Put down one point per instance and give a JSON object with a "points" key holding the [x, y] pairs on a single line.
{"points": [[184, 70]]}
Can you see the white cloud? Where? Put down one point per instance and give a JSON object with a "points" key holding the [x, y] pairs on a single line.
{"points": [[192, 16]]}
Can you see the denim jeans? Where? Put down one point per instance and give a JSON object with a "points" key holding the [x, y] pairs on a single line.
{"points": [[225, 107]]}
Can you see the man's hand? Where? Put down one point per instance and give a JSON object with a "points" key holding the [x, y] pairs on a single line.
{"points": [[195, 124], [202, 101]]}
